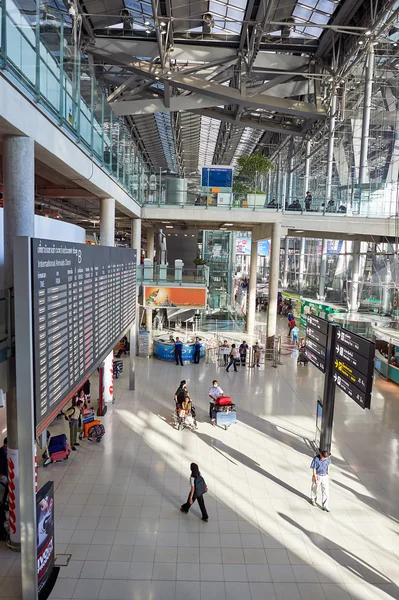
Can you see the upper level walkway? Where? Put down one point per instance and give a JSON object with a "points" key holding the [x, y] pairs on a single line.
{"points": [[302, 224]]}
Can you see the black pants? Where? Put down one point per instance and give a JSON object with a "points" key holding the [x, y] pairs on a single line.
{"points": [[178, 357], [243, 358], [232, 362], [196, 356], [186, 507]]}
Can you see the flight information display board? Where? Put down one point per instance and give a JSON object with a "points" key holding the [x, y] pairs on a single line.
{"points": [[84, 298]]}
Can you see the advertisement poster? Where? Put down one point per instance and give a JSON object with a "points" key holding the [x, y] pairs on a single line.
{"points": [[45, 533], [243, 247], [170, 297]]}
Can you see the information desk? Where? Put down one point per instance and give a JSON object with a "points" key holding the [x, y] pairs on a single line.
{"points": [[164, 349], [387, 345]]}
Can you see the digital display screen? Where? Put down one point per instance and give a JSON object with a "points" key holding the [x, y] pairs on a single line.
{"points": [[217, 177], [84, 298], [45, 534]]}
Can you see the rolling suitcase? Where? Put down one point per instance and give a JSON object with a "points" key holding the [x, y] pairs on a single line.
{"points": [[58, 443], [223, 400], [88, 426]]}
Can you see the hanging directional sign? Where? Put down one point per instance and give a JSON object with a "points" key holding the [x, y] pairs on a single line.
{"points": [[317, 323], [317, 336], [316, 348], [354, 366], [355, 342], [352, 358], [316, 360], [352, 391]]}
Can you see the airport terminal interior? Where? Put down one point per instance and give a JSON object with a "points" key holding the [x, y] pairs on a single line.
{"points": [[199, 299]]}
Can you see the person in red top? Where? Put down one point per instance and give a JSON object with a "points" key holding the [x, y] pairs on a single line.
{"points": [[291, 325]]}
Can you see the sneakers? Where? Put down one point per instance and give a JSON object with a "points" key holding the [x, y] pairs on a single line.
{"points": [[77, 444], [326, 509], [73, 448], [205, 520], [183, 511]]}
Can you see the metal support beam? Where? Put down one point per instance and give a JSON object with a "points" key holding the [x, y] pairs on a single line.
{"points": [[233, 96], [307, 168], [262, 124]]}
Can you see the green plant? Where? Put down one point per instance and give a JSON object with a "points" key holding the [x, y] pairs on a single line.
{"points": [[199, 261], [250, 169]]}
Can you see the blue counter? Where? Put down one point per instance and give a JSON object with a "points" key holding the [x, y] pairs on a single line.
{"points": [[165, 350]]}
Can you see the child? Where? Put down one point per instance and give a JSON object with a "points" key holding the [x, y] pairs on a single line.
{"points": [[295, 332]]}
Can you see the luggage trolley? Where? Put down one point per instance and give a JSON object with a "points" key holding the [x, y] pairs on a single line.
{"points": [[224, 412]]}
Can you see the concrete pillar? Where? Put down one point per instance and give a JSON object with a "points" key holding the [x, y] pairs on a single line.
{"points": [[150, 255], [386, 291], [368, 93], [323, 271], [273, 284], [135, 242], [286, 258], [301, 275], [354, 289], [19, 210], [150, 243], [251, 301], [107, 238]]}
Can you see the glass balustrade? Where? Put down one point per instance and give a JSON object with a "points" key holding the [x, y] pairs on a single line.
{"points": [[39, 47]]}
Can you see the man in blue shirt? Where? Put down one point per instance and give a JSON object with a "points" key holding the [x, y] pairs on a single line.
{"points": [[178, 351], [197, 350], [320, 478]]}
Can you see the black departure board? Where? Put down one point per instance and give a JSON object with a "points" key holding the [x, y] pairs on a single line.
{"points": [[84, 298]]}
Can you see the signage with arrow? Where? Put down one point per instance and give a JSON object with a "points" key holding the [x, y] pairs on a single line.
{"points": [[316, 360], [351, 390], [352, 358], [317, 336]]}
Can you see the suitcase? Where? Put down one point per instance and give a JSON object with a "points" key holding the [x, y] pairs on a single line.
{"points": [[223, 400], [58, 443], [87, 411], [96, 432], [88, 426], [88, 418], [225, 408], [60, 455]]}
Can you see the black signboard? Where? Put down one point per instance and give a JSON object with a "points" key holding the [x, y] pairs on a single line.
{"points": [[84, 298], [45, 534], [316, 360], [316, 348], [351, 374], [355, 342], [317, 336], [317, 323], [351, 390], [354, 359]]}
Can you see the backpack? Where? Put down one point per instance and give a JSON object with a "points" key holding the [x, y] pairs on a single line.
{"points": [[200, 486]]}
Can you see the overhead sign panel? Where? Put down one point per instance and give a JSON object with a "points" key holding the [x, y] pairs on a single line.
{"points": [[316, 360], [354, 359], [317, 336], [355, 342], [351, 390], [316, 348]]}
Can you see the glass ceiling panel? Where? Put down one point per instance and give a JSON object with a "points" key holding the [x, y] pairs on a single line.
{"points": [[166, 136], [317, 12], [141, 13], [208, 138], [249, 140]]}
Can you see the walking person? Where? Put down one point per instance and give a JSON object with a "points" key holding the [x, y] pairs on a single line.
{"points": [[233, 356], [320, 478], [225, 351], [73, 417], [197, 490], [243, 352], [291, 325], [214, 393], [178, 351], [197, 350], [256, 348], [308, 200]]}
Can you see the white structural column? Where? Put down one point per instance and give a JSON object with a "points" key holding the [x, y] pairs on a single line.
{"points": [[150, 254], [273, 285], [307, 168], [19, 210], [330, 147], [286, 259], [107, 238], [323, 271], [354, 289], [251, 301], [364, 146], [301, 275], [135, 242]]}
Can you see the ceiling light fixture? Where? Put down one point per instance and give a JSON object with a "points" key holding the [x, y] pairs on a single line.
{"points": [[168, 226]]}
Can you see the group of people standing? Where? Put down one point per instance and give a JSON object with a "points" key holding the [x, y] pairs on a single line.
{"points": [[234, 356]]}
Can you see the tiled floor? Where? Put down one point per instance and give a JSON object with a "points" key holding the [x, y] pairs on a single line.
{"points": [[118, 502]]}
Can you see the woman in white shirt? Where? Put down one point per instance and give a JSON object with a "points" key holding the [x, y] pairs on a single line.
{"points": [[234, 356]]}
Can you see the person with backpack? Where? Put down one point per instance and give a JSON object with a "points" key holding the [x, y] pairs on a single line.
{"points": [[180, 394], [198, 488]]}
